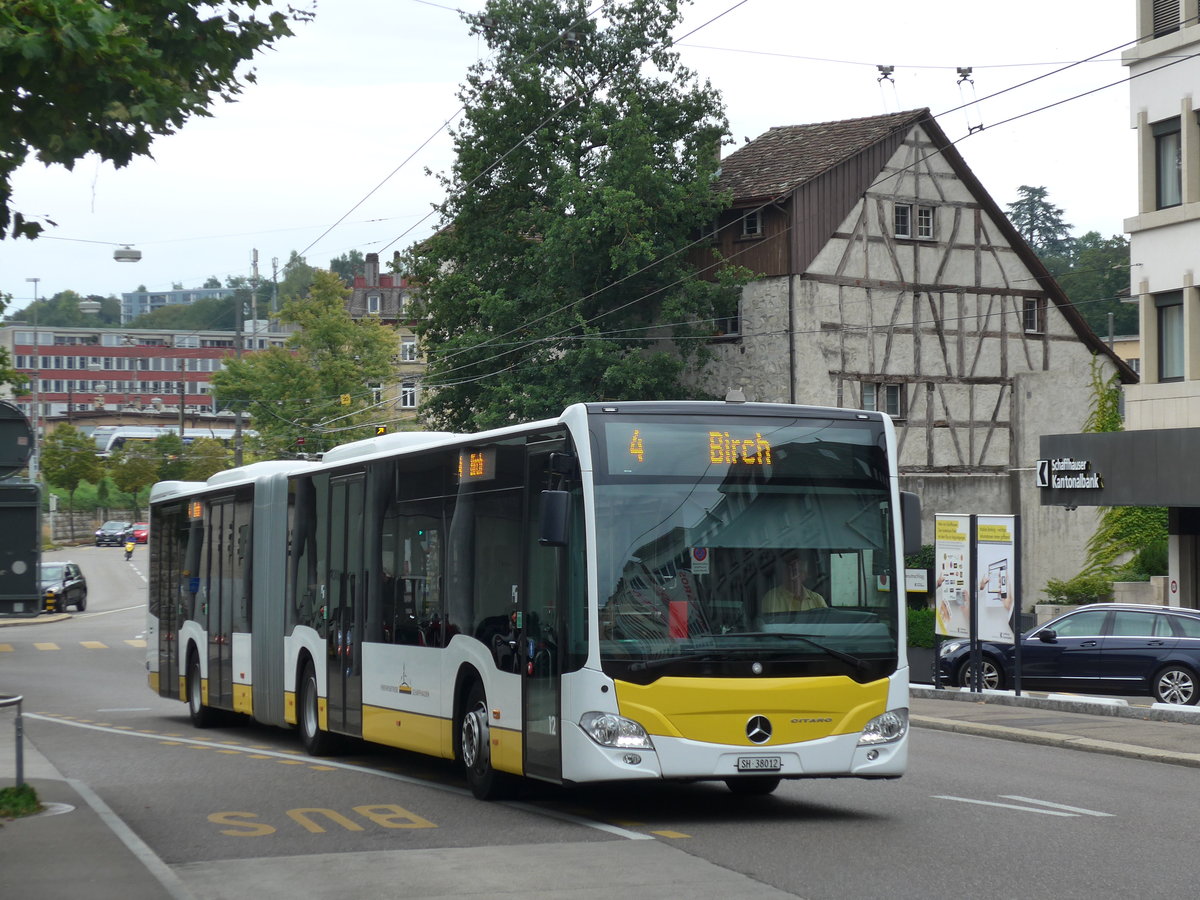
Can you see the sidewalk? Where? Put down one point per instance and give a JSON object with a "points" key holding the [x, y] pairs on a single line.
{"points": [[112, 862]]}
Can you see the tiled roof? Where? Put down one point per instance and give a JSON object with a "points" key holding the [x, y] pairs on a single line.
{"points": [[776, 162]]}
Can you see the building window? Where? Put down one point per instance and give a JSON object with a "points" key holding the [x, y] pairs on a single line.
{"points": [[925, 222], [373, 304], [1033, 315], [902, 220], [1168, 163], [1166, 17], [752, 224], [408, 395], [408, 348], [884, 397], [1169, 308]]}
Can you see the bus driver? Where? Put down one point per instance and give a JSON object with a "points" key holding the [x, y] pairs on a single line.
{"points": [[793, 593]]}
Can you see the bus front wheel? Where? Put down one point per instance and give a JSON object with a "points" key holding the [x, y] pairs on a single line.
{"points": [[752, 785], [316, 741], [475, 747]]}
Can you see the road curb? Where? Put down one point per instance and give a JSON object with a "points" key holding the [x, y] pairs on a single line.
{"points": [[1092, 706], [1053, 739], [40, 620]]}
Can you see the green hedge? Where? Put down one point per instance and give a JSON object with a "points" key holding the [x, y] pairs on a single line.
{"points": [[920, 627]]}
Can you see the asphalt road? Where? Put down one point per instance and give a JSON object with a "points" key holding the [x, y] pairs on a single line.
{"points": [[974, 817]]}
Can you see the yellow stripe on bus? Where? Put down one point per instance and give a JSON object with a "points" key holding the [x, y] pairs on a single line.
{"points": [[716, 710], [243, 700], [408, 731]]}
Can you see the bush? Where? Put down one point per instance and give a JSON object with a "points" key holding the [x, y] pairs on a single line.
{"points": [[18, 801], [1083, 588], [921, 624]]}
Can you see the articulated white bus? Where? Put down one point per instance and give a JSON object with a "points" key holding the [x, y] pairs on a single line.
{"points": [[574, 600]]}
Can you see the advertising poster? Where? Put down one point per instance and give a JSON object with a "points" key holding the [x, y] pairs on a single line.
{"points": [[994, 556], [953, 578]]}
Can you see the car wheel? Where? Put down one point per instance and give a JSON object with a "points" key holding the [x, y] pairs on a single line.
{"points": [[202, 716], [1177, 685], [475, 747], [81, 603], [316, 742], [993, 678], [753, 786]]}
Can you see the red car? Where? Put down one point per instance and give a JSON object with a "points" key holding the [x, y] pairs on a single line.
{"points": [[140, 531]]}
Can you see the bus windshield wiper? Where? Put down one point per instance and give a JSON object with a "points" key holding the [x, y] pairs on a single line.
{"points": [[858, 663]]}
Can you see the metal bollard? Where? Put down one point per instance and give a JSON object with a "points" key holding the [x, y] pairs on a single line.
{"points": [[20, 735]]}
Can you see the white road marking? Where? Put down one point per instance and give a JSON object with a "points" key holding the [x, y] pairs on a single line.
{"points": [[1075, 809], [1044, 812], [109, 612], [350, 767]]}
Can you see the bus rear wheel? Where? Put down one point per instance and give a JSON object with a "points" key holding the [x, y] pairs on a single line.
{"points": [[316, 742], [202, 716], [475, 747]]}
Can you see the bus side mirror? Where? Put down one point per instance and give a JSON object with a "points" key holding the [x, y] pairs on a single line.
{"points": [[910, 520], [555, 518]]}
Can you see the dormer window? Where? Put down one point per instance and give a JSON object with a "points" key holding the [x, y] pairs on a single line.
{"points": [[373, 304]]}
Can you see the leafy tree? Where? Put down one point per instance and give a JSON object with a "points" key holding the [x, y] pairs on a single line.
{"points": [[68, 457], [133, 470], [205, 457], [1124, 530], [63, 311], [212, 281], [172, 462], [8, 375], [584, 165], [1039, 221], [1095, 275], [295, 392], [297, 278], [206, 314], [348, 265], [92, 76]]}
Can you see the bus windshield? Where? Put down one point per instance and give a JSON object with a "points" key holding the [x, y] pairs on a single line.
{"points": [[744, 547]]}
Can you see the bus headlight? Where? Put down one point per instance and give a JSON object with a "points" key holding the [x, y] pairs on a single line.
{"points": [[891, 726], [611, 730]]}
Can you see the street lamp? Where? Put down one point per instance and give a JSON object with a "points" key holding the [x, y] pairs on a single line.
{"points": [[37, 377]]}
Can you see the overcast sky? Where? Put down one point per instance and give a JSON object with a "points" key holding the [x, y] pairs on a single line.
{"points": [[348, 105]]}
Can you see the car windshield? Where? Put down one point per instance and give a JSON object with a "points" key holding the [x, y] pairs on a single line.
{"points": [[113, 526], [706, 568], [52, 572]]}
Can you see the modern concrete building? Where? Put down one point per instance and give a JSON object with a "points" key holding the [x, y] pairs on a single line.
{"points": [[1153, 462], [889, 279], [138, 303]]}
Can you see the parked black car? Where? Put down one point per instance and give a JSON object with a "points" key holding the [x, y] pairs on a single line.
{"points": [[63, 585], [1104, 648], [112, 533]]}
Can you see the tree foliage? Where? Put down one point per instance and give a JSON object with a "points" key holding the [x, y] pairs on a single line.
{"points": [[348, 265], [9, 376], [133, 470], [1039, 221], [205, 457], [67, 458], [583, 172], [62, 311], [1094, 273], [295, 392], [92, 76]]}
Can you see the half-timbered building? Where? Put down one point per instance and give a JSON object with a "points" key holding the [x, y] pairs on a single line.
{"points": [[889, 279]]}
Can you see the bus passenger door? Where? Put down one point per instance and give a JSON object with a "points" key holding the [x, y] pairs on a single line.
{"points": [[347, 600], [222, 573], [540, 635]]}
